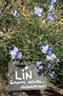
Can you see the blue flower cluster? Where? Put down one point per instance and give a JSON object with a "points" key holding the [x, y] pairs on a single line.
{"points": [[50, 57], [15, 53], [38, 11], [52, 16]]}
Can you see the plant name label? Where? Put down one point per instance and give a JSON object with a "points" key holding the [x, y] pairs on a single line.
{"points": [[25, 78]]}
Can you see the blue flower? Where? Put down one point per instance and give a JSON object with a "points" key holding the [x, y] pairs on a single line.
{"points": [[53, 1], [49, 65], [52, 75], [38, 11], [37, 63], [15, 53], [49, 51], [44, 48], [15, 13], [51, 16], [41, 69], [19, 54], [51, 7], [51, 57]]}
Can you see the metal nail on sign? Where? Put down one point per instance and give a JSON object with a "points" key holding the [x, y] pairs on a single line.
{"points": [[25, 77]]}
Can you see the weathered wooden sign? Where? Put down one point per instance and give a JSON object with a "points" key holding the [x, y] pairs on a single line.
{"points": [[25, 78]]}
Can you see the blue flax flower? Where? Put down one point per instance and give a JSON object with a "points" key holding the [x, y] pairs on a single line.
{"points": [[15, 53], [52, 75], [19, 54], [49, 51], [44, 48], [41, 69], [38, 11], [49, 65], [15, 13], [51, 16], [53, 1], [51, 7], [51, 57]]}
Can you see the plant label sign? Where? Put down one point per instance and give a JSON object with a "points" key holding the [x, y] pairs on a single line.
{"points": [[25, 78]]}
